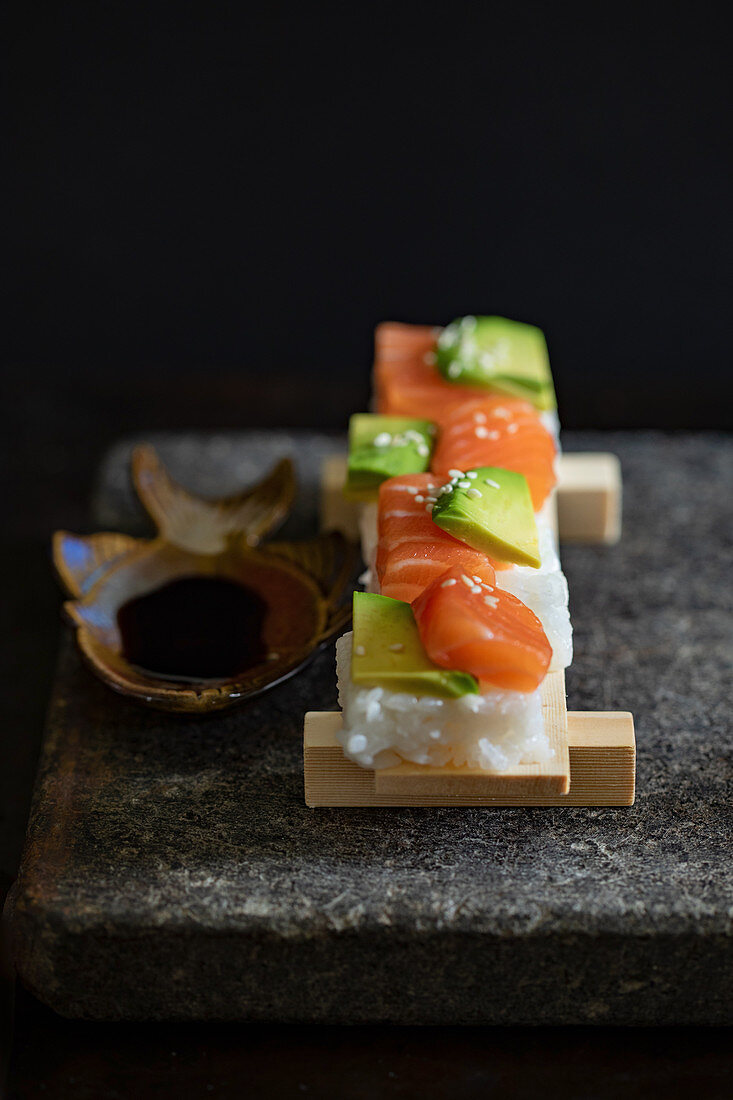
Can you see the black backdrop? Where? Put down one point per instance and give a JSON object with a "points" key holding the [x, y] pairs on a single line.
{"points": [[196, 187]]}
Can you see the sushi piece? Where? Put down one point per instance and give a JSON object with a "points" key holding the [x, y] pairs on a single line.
{"points": [[399, 705], [412, 550], [407, 550], [498, 431], [483, 630], [429, 372]]}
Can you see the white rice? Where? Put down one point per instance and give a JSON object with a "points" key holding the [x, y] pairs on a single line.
{"points": [[381, 728], [544, 591]]}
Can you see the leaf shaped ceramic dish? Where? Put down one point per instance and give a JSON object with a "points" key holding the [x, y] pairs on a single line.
{"points": [[303, 584]]}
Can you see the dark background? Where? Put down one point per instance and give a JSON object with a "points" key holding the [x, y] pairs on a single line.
{"points": [[207, 208], [195, 187]]}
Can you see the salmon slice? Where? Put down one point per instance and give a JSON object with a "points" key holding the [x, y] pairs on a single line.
{"points": [[412, 550], [408, 386], [394, 340], [498, 431], [480, 629]]}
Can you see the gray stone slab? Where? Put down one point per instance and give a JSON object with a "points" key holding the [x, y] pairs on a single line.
{"points": [[172, 869]]}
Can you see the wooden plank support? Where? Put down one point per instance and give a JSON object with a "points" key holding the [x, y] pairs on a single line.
{"points": [[588, 498], [602, 758]]}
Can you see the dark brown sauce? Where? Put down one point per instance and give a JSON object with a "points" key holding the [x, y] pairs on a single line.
{"points": [[198, 627]]}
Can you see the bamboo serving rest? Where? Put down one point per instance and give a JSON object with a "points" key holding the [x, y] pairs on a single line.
{"points": [[594, 753]]}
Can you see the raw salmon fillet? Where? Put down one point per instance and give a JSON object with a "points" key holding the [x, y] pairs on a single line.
{"points": [[498, 431], [478, 628]]}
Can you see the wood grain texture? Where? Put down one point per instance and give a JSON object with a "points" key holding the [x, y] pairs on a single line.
{"points": [[602, 758], [588, 498]]}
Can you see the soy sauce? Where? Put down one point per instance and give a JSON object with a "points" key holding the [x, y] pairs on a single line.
{"points": [[195, 627]]}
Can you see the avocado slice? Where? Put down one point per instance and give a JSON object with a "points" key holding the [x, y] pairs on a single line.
{"points": [[388, 652], [491, 510], [385, 446], [507, 356]]}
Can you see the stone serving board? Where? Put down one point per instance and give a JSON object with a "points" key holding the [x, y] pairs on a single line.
{"points": [[173, 871]]}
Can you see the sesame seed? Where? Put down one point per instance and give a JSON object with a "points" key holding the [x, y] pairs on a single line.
{"points": [[476, 588], [464, 484], [471, 474], [474, 493], [491, 601], [477, 579], [397, 647], [493, 435], [411, 489], [432, 500], [423, 450], [429, 506], [383, 439], [447, 583], [467, 580], [480, 418], [359, 650], [481, 433], [419, 498], [493, 484], [454, 370], [455, 473], [512, 428]]}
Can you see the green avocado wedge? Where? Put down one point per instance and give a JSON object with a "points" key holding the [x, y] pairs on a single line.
{"points": [[490, 509], [388, 652], [501, 355], [385, 446]]}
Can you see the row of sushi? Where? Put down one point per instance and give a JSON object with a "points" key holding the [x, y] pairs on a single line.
{"points": [[466, 607]]}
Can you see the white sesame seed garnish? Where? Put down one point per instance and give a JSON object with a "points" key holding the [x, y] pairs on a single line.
{"points": [[447, 583], [383, 439], [502, 412], [493, 484], [464, 484], [512, 428], [429, 506], [467, 580], [455, 473], [454, 370], [491, 601], [481, 432], [396, 647], [493, 435], [480, 417], [472, 474], [423, 450], [359, 650], [474, 493], [477, 579], [411, 489], [487, 586], [476, 588], [431, 500], [419, 499]]}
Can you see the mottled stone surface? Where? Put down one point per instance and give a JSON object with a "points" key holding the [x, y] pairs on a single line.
{"points": [[173, 870]]}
